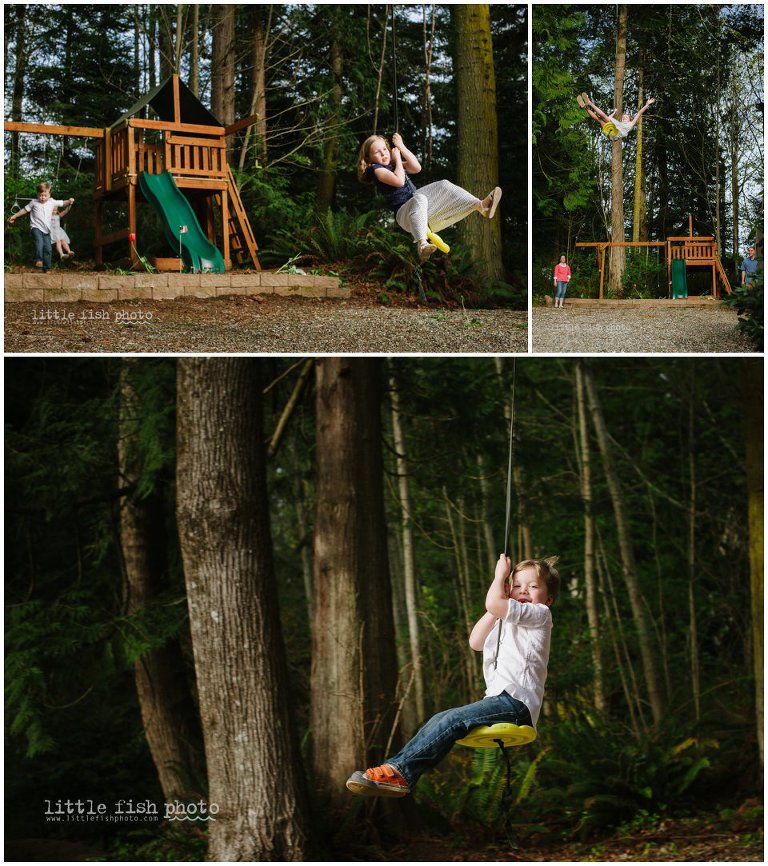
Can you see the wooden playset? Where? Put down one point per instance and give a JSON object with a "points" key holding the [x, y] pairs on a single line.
{"points": [[184, 140], [694, 251]]}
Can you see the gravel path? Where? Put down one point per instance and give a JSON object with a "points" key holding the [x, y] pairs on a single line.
{"points": [[245, 324], [691, 329]]}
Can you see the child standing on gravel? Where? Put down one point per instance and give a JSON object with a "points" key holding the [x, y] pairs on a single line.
{"points": [[40, 211], [514, 637]]}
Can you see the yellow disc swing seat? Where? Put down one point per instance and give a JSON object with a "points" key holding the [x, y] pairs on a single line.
{"points": [[501, 734], [610, 129]]}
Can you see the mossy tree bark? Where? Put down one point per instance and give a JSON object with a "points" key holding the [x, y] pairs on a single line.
{"points": [[477, 125], [615, 282]]}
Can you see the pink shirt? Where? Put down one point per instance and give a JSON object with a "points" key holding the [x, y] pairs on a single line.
{"points": [[562, 272]]}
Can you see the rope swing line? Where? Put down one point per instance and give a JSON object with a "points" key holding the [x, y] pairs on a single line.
{"points": [[511, 449], [394, 71], [509, 488], [417, 272]]}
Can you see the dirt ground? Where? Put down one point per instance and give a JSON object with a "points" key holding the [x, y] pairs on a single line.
{"points": [[257, 324], [585, 330]]}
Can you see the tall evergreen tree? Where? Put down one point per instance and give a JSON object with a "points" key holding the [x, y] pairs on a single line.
{"points": [[354, 670], [477, 124], [254, 775]]}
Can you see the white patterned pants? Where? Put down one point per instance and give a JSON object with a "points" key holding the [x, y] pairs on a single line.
{"points": [[435, 206]]}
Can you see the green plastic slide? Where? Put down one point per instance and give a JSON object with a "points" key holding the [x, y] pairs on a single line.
{"points": [[679, 281], [182, 230]]}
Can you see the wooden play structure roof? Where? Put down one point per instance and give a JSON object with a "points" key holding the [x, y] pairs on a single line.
{"points": [[173, 102]]}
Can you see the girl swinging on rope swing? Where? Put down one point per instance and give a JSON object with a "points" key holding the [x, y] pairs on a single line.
{"points": [[424, 211], [614, 128]]}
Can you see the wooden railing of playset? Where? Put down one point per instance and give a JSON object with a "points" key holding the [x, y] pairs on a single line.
{"points": [[184, 155], [699, 251]]}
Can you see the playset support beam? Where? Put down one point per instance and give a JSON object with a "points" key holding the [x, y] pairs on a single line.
{"points": [[51, 129], [696, 251]]}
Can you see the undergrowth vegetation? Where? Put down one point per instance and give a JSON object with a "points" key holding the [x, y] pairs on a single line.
{"points": [[579, 780], [372, 246]]}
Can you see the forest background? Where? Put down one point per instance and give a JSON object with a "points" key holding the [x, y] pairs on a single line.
{"points": [[699, 150], [233, 581], [321, 78]]}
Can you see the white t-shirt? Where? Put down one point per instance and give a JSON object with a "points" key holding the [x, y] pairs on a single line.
{"points": [[523, 655], [40, 213]]}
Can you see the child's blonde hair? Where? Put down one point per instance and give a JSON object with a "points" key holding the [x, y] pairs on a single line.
{"points": [[43, 186], [363, 163], [546, 571]]}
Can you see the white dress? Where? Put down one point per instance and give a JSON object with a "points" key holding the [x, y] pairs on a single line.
{"points": [[57, 232]]}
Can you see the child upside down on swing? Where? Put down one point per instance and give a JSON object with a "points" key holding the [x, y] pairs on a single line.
{"points": [[613, 128], [418, 211], [514, 636]]}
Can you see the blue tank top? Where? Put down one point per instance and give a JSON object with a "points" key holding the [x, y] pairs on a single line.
{"points": [[395, 196]]}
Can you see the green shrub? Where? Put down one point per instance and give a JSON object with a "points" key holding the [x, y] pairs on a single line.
{"points": [[605, 778], [748, 303]]}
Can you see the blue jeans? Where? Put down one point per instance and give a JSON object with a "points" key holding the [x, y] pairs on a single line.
{"points": [[433, 742], [562, 285], [42, 242]]}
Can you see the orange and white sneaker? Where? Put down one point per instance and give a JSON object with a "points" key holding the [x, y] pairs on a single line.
{"points": [[382, 781]]}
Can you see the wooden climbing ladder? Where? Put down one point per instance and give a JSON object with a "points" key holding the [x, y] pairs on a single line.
{"points": [[242, 242]]}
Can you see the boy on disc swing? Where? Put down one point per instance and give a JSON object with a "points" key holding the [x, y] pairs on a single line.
{"points": [[424, 211], [514, 637]]}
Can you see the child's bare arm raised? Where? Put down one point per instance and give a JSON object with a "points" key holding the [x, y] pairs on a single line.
{"points": [[410, 163]]}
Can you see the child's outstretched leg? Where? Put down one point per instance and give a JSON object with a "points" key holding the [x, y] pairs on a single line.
{"points": [[399, 774], [449, 203], [412, 217], [593, 111]]}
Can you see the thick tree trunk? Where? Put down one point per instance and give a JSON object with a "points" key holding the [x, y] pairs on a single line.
{"points": [[590, 578], [629, 568], [194, 50], [477, 126], [615, 283], [254, 775], [639, 210], [409, 564], [167, 710], [164, 40], [326, 183], [354, 668], [259, 36], [734, 142], [223, 66], [753, 413]]}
